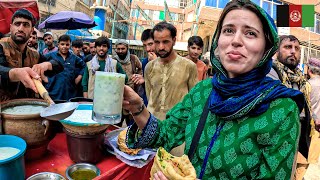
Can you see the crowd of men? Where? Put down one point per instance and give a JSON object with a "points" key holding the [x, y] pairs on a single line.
{"points": [[162, 79]]}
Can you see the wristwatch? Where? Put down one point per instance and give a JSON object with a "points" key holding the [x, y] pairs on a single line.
{"points": [[140, 109]]}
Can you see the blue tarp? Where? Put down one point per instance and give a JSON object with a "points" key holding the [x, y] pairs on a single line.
{"points": [[80, 34]]}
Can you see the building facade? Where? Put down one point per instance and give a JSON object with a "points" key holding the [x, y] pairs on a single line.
{"points": [[116, 18], [146, 13]]}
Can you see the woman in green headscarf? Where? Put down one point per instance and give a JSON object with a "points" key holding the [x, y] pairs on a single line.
{"points": [[251, 130]]}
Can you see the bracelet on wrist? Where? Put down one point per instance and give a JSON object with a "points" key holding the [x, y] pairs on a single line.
{"points": [[140, 109]]}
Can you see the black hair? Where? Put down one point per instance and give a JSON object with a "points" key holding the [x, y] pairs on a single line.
{"points": [[146, 34], [290, 37], [162, 26], [102, 40], [248, 5], [77, 43], [64, 38], [197, 40], [34, 33], [23, 13]]}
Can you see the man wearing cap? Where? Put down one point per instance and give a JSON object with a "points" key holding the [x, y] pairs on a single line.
{"points": [[48, 40], [314, 74], [130, 63], [19, 63], [285, 68]]}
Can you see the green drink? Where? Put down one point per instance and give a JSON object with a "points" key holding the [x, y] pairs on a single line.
{"points": [[108, 96]]}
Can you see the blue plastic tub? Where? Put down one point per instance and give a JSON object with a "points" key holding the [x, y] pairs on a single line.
{"points": [[13, 168]]}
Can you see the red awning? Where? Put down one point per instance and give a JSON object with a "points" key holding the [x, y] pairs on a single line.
{"points": [[8, 7]]}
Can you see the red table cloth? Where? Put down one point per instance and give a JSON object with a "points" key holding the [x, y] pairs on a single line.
{"points": [[57, 160]]}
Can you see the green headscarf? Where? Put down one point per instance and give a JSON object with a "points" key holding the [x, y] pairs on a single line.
{"points": [[268, 24], [249, 93]]}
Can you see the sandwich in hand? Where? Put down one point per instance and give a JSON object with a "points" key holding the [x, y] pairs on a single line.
{"points": [[174, 168], [123, 146]]}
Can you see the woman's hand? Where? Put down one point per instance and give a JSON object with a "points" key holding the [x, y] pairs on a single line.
{"points": [[159, 176], [133, 103], [131, 100]]}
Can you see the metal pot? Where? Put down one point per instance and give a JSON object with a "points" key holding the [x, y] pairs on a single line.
{"points": [[81, 166], [46, 176], [34, 129]]}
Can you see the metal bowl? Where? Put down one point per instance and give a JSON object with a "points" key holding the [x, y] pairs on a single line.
{"points": [[79, 166], [46, 176]]}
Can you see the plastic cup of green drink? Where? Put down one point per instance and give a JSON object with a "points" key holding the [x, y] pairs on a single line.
{"points": [[108, 96]]}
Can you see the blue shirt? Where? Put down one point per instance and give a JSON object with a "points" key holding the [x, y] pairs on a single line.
{"points": [[144, 64], [62, 86]]}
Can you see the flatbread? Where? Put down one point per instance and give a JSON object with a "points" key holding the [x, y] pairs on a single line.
{"points": [[173, 167], [122, 144]]}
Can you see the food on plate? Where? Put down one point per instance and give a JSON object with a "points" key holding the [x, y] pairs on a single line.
{"points": [[173, 167], [122, 144]]}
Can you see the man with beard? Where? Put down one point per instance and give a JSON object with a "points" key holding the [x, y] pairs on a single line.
{"points": [[33, 40], [169, 77], [130, 63], [63, 85], [19, 63], [285, 68], [195, 45], [48, 40], [92, 48], [100, 62]]}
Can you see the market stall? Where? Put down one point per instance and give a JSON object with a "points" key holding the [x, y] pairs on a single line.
{"points": [[57, 160]]}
